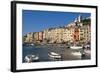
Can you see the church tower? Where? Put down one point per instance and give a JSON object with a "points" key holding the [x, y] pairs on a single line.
{"points": [[79, 18]]}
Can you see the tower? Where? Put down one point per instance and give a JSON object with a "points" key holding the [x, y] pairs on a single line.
{"points": [[79, 18], [75, 20]]}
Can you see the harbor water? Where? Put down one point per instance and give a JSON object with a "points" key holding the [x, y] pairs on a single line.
{"points": [[42, 52]]}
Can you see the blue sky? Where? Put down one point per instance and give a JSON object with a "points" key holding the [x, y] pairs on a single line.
{"points": [[34, 21]]}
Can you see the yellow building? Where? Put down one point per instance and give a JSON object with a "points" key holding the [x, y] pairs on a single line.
{"points": [[72, 32], [59, 35], [85, 33], [68, 34], [36, 35], [29, 37]]}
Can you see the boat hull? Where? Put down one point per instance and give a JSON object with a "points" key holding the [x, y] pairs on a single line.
{"points": [[76, 47], [54, 55], [31, 58]]}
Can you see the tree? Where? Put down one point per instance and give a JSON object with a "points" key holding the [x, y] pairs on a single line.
{"points": [[24, 38], [86, 21]]}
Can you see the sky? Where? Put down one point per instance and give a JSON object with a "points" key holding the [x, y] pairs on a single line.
{"points": [[35, 21]]}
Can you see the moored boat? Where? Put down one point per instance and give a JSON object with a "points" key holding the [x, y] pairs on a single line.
{"points": [[76, 47], [76, 53], [54, 55], [32, 44], [31, 58]]}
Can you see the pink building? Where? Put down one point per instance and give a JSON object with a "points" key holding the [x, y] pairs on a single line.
{"points": [[40, 36]]}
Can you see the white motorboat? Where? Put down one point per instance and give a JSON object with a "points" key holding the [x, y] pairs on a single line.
{"points": [[32, 44], [87, 51], [87, 46], [76, 53], [31, 58], [76, 47], [54, 55]]}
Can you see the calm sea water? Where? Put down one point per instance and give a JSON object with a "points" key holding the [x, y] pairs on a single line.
{"points": [[42, 52]]}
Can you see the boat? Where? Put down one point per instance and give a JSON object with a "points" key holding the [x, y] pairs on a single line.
{"points": [[79, 53], [54, 55], [32, 44], [31, 58], [87, 46], [76, 47], [76, 53], [87, 51]]}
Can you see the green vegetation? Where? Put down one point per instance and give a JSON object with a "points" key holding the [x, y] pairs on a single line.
{"points": [[86, 21], [24, 38]]}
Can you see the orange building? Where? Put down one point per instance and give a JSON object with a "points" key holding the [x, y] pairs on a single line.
{"points": [[76, 35]]}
